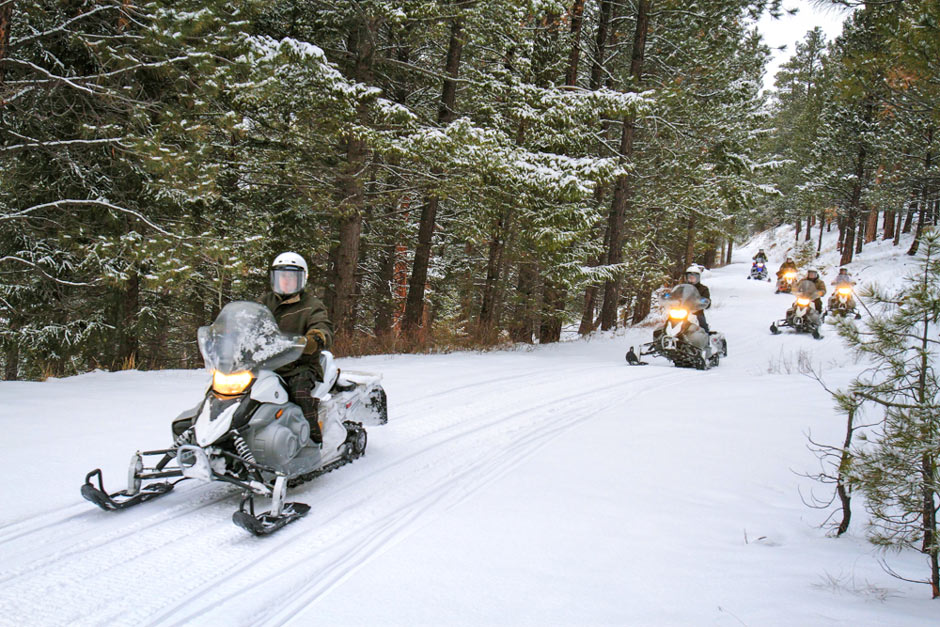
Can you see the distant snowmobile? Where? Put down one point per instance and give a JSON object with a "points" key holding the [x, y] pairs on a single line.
{"points": [[245, 432], [802, 316], [842, 302], [758, 271], [681, 340], [786, 282]]}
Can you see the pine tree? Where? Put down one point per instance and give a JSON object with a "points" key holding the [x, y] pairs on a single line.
{"points": [[897, 468]]}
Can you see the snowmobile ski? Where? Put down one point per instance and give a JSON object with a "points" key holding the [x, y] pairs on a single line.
{"points": [[267, 523], [120, 499]]}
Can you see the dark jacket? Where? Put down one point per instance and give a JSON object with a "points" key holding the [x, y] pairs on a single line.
{"points": [[704, 292], [302, 314], [759, 257], [820, 285]]}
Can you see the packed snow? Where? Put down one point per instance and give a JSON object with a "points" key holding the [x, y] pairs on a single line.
{"points": [[551, 485]]}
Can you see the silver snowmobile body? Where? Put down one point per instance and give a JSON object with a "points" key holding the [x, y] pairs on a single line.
{"points": [[802, 316], [246, 432], [842, 301], [681, 340]]}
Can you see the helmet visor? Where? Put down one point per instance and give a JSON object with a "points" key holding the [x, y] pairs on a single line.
{"points": [[286, 280]]}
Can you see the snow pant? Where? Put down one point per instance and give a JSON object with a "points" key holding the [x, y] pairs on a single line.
{"points": [[818, 303], [299, 388], [701, 321]]}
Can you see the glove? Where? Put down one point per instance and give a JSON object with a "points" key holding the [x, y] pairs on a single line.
{"points": [[316, 340]]}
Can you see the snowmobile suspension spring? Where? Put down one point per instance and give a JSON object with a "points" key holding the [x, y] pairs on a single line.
{"points": [[243, 449], [184, 438]]}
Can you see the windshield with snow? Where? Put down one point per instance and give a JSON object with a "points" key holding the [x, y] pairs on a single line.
{"points": [[684, 295], [245, 336], [806, 289]]}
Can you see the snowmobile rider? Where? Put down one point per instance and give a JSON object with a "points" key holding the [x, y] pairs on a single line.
{"points": [[300, 312], [760, 256], [693, 276], [812, 274], [789, 264], [843, 278]]}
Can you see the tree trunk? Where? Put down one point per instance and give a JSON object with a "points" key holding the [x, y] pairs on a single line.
{"points": [[929, 518], [889, 220], [854, 202], [587, 312], [897, 227], [623, 191], [127, 332], [521, 330], [822, 218], [730, 245], [574, 56], [871, 230], [844, 498], [861, 233], [798, 229], [494, 265], [592, 292], [689, 253], [924, 196], [6, 19], [414, 306], [352, 202], [642, 305], [11, 366], [600, 45]]}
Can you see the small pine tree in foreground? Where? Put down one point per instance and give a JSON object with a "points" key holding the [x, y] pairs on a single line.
{"points": [[895, 466]]}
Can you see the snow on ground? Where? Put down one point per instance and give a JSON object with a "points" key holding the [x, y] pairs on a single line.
{"points": [[544, 486]]}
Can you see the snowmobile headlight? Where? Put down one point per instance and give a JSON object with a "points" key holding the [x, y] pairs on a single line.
{"points": [[803, 302], [845, 291], [789, 275], [678, 314], [229, 384], [760, 265]]}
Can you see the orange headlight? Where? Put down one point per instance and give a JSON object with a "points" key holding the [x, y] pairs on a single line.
{"points": [[803, 302], [678, 314], [229, 384], [789, 275], [845, 291]]}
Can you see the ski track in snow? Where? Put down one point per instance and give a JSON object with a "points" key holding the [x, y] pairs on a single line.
{"points": [[85, 563]]}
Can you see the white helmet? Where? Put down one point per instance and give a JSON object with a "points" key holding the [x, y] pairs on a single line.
{"points": [[693, 269], [812, 269], [288, 274]]}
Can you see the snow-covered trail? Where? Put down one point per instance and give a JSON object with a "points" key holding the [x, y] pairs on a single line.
{"points": [[547, 486]]}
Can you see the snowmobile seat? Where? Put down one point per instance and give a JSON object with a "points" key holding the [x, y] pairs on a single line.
{"points": [[330, 375]]}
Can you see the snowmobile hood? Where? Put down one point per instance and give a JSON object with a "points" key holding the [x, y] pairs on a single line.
{"points": [[245, 336]]}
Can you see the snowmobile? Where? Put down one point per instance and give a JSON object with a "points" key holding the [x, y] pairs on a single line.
{"points": [[842, 302], [681, 340], [802, 316], [245, 431], [758, 271], [786, 282]]}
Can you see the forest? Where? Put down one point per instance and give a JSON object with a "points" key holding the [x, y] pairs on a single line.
{"points": [[456, 173]]}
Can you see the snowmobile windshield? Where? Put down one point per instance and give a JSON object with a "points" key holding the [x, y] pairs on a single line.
{"points": [[684, 296], [806, 289], [245, 336]]}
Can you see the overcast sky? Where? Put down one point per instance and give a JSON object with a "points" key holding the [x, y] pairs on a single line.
{"points": [[790, 29]]}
